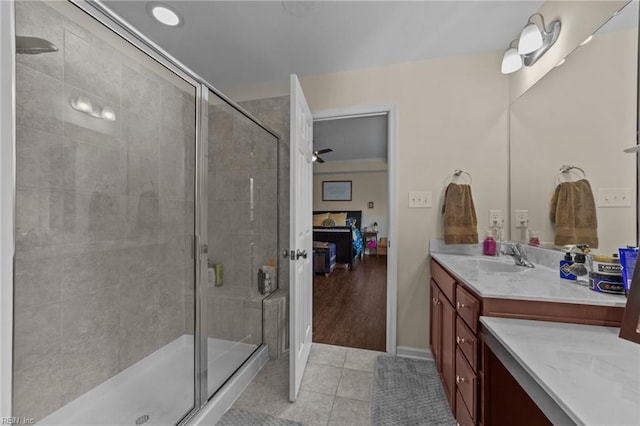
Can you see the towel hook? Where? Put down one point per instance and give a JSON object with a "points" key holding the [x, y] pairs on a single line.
{"points": [[459, 172], [566, 169]]}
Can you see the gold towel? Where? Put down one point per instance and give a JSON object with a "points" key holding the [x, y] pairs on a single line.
{"points": [[573, 211], [460, 221]]}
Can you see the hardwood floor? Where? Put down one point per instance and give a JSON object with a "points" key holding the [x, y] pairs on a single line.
{"points": [[350, 307]]}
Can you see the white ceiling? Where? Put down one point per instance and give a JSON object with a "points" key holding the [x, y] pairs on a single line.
{"points": [[235, 43]]}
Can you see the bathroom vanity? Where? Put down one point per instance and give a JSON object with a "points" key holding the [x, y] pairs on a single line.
{"points": [[474, 299]]}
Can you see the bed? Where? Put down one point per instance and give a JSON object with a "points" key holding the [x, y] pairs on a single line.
{"points": [[348, 239]]}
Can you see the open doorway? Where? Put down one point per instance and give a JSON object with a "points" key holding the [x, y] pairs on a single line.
{"points": [[352, 223]]}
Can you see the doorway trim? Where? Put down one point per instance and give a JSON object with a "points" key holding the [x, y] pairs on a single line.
{"points": [[390, 110]]}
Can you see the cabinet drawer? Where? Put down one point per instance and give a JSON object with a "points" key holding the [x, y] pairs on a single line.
{"points": [[467, 383], [463, 417], [445, 281], [467, 342], [468, 308]]}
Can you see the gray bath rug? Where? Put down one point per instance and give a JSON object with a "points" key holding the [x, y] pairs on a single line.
{"points": [[235, 417], [408, 392]]}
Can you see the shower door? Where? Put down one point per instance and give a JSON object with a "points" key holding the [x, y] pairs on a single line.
{"points": [[104, 263], [242, 230]]}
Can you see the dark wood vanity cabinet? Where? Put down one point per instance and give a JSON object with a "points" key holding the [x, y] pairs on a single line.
{"points": [[468, 373], [449, 307], [443, 317]]}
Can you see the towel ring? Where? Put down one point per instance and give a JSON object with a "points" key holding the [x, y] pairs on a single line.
{"points": [[566, 169], [459, 172]]}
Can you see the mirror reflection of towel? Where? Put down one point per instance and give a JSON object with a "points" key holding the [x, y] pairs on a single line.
{"points": [[573, 210], [460, 221]]}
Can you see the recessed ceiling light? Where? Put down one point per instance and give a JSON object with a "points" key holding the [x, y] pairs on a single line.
{"points": [[164, 14], [561, 62]]}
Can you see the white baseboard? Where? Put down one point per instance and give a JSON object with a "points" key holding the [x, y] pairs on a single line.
{"points": [[408, 352], [225, 397]]}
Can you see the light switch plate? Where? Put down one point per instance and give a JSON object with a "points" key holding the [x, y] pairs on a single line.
{"points": [[614, 197], [420, 199]]}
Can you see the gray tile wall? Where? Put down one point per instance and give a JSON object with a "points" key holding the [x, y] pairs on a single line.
{"points": [[242, 242], [104, 209]]}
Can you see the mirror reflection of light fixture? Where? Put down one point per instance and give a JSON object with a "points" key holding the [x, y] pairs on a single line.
{"points": [[83, 104], [511, 61], [108, 114], [314, 158], [587, 40], [532, 44]]}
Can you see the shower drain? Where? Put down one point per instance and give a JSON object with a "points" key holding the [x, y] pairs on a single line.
{"points": [[142, 419]]}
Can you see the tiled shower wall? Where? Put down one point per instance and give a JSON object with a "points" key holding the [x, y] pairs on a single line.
{"points": [[104, 211], [241, 240]]}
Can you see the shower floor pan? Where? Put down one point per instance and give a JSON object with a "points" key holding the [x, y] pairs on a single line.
{"points": [[157, 390]]}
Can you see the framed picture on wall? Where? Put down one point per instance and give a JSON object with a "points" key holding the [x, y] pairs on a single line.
{"points": [[336, 190]]}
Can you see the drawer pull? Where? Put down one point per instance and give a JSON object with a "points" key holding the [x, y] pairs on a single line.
{"points": [[460, 339], [460, 305], [460, 379]]}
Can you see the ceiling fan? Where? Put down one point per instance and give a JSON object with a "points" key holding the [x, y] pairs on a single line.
{"points": [[316, 154]]}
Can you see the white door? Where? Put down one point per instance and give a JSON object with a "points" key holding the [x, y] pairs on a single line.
{"points": [[301, 235]]}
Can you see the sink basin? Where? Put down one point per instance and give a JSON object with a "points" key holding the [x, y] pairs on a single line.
{"points": [[493, 265]]}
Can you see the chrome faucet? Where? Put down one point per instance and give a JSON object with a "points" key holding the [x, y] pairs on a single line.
{"points": [[516, 250]]}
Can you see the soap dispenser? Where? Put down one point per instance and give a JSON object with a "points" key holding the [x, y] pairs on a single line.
{"points": [[565, 267]]}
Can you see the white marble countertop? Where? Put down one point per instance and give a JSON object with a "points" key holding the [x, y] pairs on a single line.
{"points": [[539, 284], [588, 371]]}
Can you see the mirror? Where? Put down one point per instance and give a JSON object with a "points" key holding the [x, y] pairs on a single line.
{"points": [[583, 114]]}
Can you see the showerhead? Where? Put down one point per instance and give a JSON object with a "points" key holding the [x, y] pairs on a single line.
{"points": [[33, 45]]}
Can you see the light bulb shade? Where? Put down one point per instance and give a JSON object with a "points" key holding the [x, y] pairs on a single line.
{"points": [[530, 39], [511, 61]]}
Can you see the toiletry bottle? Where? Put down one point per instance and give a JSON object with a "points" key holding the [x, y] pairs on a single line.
{"points": [[489, 245], [579, 268], [565, 267]]}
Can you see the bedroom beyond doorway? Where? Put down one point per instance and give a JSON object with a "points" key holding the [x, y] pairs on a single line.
{"points": [[351, 228]]}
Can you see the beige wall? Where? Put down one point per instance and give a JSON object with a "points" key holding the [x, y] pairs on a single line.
{"points": [[366, 186], [581, 113], [452, 113]]}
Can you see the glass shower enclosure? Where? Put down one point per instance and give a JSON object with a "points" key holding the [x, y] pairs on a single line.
{"points": [[145, 230]]}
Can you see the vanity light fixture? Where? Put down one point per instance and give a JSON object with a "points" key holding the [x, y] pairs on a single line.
{"points": [[532, 44], [83, 104], [164, 14]]}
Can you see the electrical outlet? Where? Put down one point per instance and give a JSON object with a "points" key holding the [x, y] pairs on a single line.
{"points": [[420, 199], [495, 218], [614, 197], [522, 217]]}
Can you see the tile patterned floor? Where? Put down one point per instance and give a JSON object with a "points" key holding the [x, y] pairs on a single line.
{"points": [[337, 388]]}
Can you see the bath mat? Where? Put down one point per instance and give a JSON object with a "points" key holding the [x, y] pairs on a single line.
{"points": [[408, 392], [235, 417]]}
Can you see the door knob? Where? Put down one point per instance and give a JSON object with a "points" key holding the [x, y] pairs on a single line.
{"points": [[301, 254]]}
